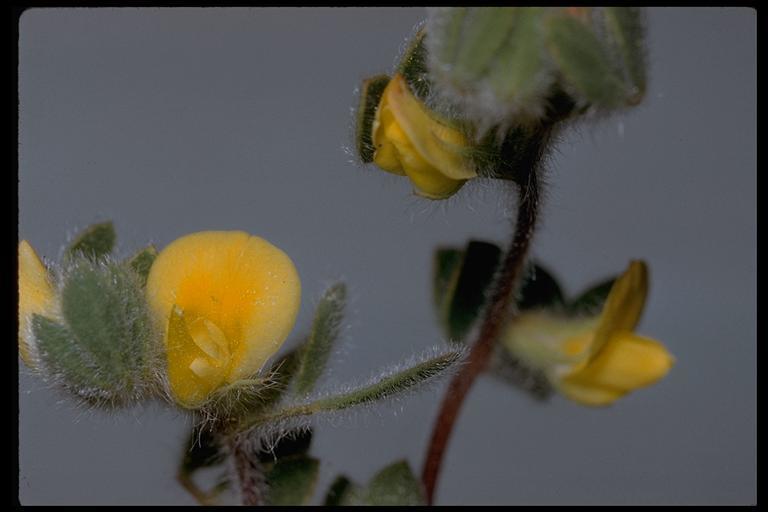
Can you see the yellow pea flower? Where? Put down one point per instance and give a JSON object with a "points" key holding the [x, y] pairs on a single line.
{"points": [[594, 361], [36, 296], [409, 141], [226, 301]]}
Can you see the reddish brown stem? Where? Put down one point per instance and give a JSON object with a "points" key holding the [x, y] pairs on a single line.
{"points": [[495, 317], [249, 472]]}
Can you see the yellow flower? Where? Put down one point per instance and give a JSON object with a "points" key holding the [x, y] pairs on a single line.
{"points": [[594, 361], [226, 301], [409, 141], [36, 296]]}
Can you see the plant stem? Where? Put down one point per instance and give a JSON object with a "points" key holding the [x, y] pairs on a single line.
{"points": [[249, 472], [496, 315]]}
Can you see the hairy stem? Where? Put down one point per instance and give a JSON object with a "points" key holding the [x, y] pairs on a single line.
{"points": [[496, 315], [249, 473]]}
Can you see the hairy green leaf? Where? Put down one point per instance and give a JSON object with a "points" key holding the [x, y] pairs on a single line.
{"points": [[519, 75], [141, 262], [104, 308], [329, 315], [627, 34], [382, 388], [584, 62], [462, 287], [484, 32], [63, 355], [540, 289], [94, 242], [292, 481], [393, 485]]}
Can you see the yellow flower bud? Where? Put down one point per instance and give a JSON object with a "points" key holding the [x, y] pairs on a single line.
{"points": [[410, 141], [36, 296], [594, 361], [226, 301]]}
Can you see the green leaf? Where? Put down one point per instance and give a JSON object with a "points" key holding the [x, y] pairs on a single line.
{"points": [[325, 330], [96, 241], [370, 95], [445, 29], [584, 62], [104, 308], [539, 290], [626, 32], [393, 485], [141, 262], [382, 388], [485, 30], [63, 355], [591, 301], [463, 287], [292, 481], [520, 73], [340, 492]]}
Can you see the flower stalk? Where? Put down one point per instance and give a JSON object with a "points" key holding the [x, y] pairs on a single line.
{"points": [[496, 313]]}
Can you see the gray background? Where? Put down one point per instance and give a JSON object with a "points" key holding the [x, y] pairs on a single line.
{"points": [[171, 121]]}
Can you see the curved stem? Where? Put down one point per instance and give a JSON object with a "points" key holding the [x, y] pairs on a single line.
{"points": [[494, 319]]}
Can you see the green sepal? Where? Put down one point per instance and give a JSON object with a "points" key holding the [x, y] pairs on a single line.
{"points": [[141, 262], [460, 287], [370, 96], [104, 308], [393, 485], [292, 481], [540, 290], [584, 62], [591, 301], [413, 66], [94, 242], [326, 325]]}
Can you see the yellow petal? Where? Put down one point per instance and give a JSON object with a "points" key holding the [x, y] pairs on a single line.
{"points": [[624, 305], [589, 395], [190, 384], [440, 145], [627, 362], [384, 128], [36, 296], [246, 290]]}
